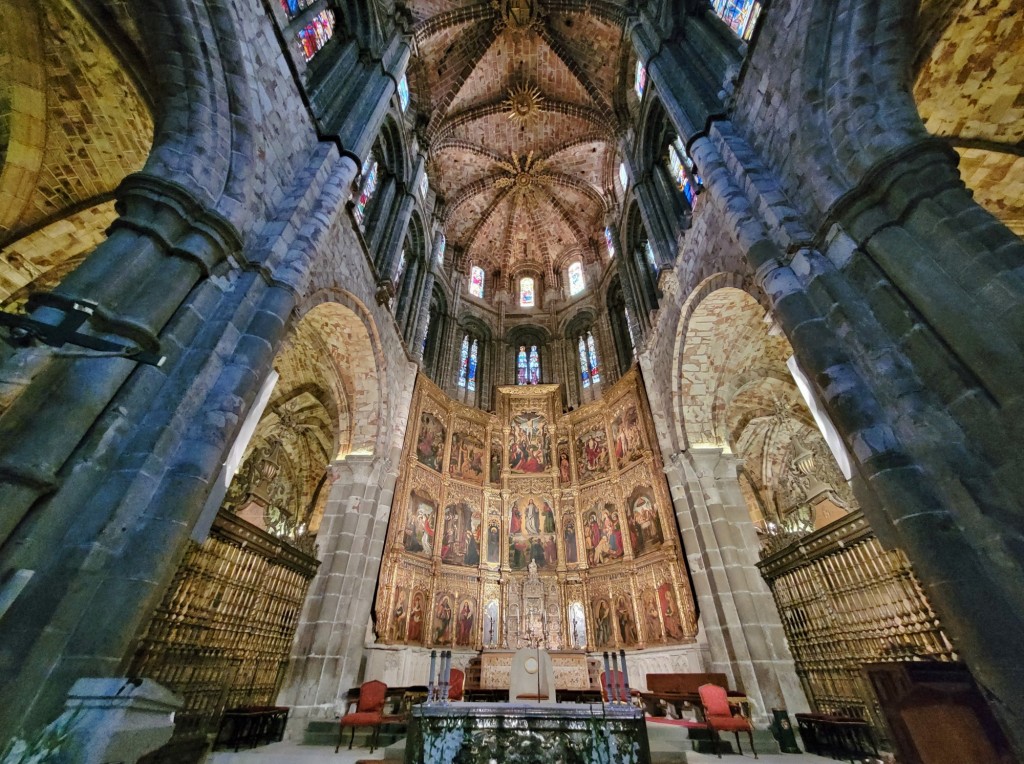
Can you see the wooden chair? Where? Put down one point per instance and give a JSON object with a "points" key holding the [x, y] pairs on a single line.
{"points": [[719, 717], [456, 681], [369, 713]]}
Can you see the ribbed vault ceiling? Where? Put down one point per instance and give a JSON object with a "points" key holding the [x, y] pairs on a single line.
{"points": [[519, 105]]}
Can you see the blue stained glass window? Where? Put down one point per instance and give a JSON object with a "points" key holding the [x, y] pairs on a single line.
{"points": [[294, 7], [640, 80], [521, 366], [526, 296], [584, 365], [683, 171], [534, 366], [740, 15], [476, 281], [576, 282], [403, 93], [369, 185], [595, 370], [314, 35], [471, 375], [464, 361], [609, 241]]}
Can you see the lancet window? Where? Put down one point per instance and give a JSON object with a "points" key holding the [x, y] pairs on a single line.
{"points": [[366, 189], [294, 7], [683, 171], [623, 176], [316, 33], [609, 241], [468, 363], [740, 15], [476, 281], [527, 297], [640, 79], [403, 93], [590, 372], [440, 251], [528, 365], [576, 281]]}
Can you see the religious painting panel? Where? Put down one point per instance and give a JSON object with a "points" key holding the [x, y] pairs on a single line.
{"points": [[531, 533], [602, 611], [443, 628], [625, 621], [430, 441], [670, 613], [417, 617], [529, 449], [460, 544], [421, 521], [627, 436], [495, 462], [399, 615], [602, 531], [644, 521], [493, 542], [467, 457], [564, 470], [569, 538], [464, 634], [651, 612], [592, 460]]}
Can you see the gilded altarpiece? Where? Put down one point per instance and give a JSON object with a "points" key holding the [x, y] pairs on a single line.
{"points": [[532, 525]]}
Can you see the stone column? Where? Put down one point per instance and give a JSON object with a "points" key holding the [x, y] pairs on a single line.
{"points": [[738, 616], [328, 647], [422, 322], [389, 256]]}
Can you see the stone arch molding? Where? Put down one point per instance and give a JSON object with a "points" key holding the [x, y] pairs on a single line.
{"points": [[722, 345], [349, 336]]}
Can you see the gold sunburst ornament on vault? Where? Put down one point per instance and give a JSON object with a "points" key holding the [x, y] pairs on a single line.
{"points": [[523, 174], [524, 102]]}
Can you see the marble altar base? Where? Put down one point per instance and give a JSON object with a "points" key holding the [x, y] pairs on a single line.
{"points": [[571, 672], [527, 733]]}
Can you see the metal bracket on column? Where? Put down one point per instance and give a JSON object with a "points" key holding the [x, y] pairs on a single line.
{"points": [[22, 330]]}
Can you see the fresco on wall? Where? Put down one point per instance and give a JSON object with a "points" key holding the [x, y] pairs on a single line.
{"points": [[627, 437], [645, 534], [529, 448], [417, 612], [592, 460], [531, 533], [464, 622], [670, 612], [625, 621], [602, 622], [420, 524], [603, 530], [460, 544], [467, 459], [430, 443], [444, 615]]}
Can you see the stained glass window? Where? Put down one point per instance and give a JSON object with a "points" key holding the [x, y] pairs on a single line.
{"points": [[652, 261], [294, 7], [629, 328], [521, 366], [683, 170], [403, 93], [740, 15], [576, 282], [595, 370], [401, 267], [440, 251], [464, 361], [369, 185], [640, 80], [623, 176], [316, 33], [609, 241], [424, 185], [476, 281], [534, 366], [584, 366], [471, 376], [526, 297]]}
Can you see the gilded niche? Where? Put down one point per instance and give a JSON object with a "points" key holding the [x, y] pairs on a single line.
{"points": [[533, 524]]}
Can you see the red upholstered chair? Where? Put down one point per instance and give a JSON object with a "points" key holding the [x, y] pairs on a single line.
{"points": [[456, 680], [369, 713], [719, 717]]}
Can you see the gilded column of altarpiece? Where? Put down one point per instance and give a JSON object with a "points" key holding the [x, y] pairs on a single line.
{"points": [[533, 525]]}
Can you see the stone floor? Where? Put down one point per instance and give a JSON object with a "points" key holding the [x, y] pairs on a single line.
{"points": [[669, 745]]}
